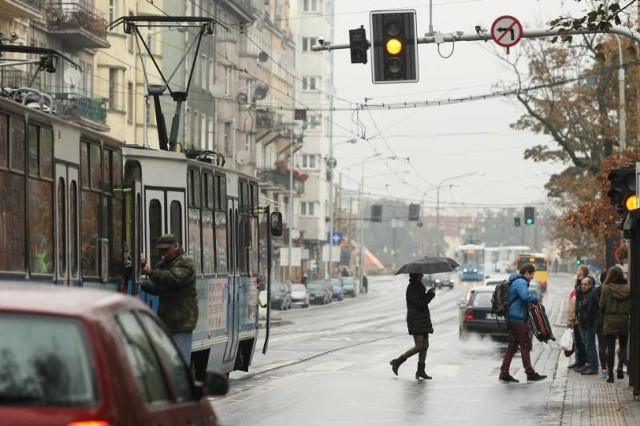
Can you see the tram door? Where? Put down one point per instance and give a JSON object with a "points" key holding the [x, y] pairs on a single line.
{"points": [[233, 293], [67, 226], [165, 214]]}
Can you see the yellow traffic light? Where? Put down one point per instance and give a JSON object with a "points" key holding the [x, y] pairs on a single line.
{"points": [[631, 203], [394, 46]]}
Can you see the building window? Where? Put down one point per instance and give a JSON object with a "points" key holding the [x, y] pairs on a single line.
{"points": [[312, 5], [307, 208], [307, 42], [129, 103], [227, 137], [114, 86], [112, 10], [310, 83], [309, 161], [312, 121]]}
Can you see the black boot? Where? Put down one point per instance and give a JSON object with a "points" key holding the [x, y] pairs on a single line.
{"points": [[420, 374], [396, 363]]}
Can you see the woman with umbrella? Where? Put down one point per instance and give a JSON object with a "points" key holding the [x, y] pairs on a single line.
{"points": [[418, 324]]}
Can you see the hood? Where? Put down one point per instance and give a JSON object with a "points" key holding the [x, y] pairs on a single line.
{"points": [[515, 276], [620, 291]]}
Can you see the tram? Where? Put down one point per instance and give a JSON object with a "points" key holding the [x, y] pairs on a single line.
{"points": [[77, 208], [471, 260]]}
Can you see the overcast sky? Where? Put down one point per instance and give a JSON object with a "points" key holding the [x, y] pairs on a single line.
{"points": [[442, 142]]}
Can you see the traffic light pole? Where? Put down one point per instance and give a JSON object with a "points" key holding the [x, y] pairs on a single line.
{"points": [[634, 279], [483, 35]]}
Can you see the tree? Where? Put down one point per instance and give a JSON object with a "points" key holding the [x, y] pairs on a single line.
{"points": [[602, 16], [570, 93]]}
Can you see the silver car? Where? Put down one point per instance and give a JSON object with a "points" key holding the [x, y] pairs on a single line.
{"points": [[299, 295]]}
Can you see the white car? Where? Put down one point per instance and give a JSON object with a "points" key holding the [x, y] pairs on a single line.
{"points": [[495, 280], [299, 295]]}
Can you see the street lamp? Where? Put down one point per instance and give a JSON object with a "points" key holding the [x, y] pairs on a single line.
{"points": [[331, 164], [438, 204]]}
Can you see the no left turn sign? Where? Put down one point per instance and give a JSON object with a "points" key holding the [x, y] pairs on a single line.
{"points": [[506, 31]]}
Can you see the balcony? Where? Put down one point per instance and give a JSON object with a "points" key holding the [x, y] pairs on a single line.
{"points": [[28, 9], [16, 78], [79, 27], [90, 112], [278, 179]]}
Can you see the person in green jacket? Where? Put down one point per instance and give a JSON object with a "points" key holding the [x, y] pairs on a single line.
{"points": [[173, 279], [615, 305]]}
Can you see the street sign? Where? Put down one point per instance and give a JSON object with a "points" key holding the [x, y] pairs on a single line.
{"points": [[506, 31], [337, 238]]}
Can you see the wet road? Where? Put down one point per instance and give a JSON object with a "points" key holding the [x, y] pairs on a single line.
{"points": [[330, 365]]}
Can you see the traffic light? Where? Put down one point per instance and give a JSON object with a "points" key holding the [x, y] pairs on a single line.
{"points": [[275, 222], [529, 215], [578, 261], [395, 46], [376, 213], [414, 211], [359, 45], [622, 193], [516, 221]]}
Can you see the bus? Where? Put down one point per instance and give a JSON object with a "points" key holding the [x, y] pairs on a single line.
{"points": [[78, 207], [502, 259], [541, 262], [471, 258]]}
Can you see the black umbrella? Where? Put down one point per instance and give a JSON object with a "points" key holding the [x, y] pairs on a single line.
{"points": [[428, 265]]}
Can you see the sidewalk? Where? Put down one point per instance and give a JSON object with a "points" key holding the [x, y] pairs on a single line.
{"points": [[590, 400]]}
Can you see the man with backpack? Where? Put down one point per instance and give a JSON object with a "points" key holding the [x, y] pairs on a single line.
{"points": [[517, 320]]}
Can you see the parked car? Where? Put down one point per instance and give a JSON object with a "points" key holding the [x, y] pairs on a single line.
{"points": [[349, 286], [475, 316], [280, 296], [320, 291], [88, 356], [442, 279], [299, 295], [337, 292]]}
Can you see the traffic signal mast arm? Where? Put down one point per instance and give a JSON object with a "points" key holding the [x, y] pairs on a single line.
{"points": [[485, 36]]}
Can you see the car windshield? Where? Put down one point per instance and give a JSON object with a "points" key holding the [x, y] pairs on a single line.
{"points": [[297, 287], [481, 299], [348, 281], [315, 286], [44, 361]]}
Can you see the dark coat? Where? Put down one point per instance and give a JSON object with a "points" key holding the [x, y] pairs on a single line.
{"points": [[174, 280], [594, 317], [418, 314], [615, 305], [586, 318]]}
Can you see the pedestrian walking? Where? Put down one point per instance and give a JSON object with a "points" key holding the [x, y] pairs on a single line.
{"points": [[575, 299], [615, 305], [365, 283], [586, 320], [418, 323], [517, 320], [173, 279], [600, 337]]}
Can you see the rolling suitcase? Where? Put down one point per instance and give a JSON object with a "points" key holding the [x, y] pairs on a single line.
{"points": [[540, 323]]}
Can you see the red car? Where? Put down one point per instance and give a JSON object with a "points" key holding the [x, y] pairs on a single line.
{"points": [[76, 357]]}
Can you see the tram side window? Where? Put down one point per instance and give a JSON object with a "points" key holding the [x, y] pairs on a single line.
{"points": [[12, 195], [155, 229], [41, 214], [112, 223], [193, 221], [208, 251], [175, 220], [90, 164], [221, 237], [194, 238]]}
